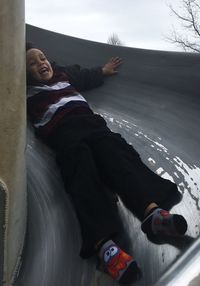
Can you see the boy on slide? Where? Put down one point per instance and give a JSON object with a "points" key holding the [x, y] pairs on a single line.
{"points": [[90, 156]]}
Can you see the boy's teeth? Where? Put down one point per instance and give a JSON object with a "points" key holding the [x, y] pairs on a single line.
{"points": [[43, 70]]}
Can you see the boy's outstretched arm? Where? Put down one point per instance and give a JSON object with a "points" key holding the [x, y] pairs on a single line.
{"points": [[85, 79], [110, 68]]}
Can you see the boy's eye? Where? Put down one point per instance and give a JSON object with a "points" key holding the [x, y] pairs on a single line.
{"points": [[32, 63]]}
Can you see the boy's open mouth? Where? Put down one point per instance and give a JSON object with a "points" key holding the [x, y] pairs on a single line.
{"points": [[43, 70]]}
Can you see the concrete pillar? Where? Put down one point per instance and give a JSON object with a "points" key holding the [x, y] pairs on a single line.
{"points": [[12, 137]]}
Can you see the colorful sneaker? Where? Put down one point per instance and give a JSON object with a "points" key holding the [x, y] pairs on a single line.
{"points": [[118, 264]]}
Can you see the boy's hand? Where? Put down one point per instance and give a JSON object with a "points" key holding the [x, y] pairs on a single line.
{"points": [[111, 66]]}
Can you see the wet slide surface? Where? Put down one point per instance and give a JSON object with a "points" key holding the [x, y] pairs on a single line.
{"points": [[154, 103]]}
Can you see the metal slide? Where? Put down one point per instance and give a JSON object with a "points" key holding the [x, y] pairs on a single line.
{"points": [[154, 103]]}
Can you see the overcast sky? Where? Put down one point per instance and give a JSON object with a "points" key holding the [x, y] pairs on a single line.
{"points": [[141, 23]]}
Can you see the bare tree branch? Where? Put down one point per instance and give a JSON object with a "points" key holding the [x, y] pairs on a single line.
{"points": [[193, 14], [183, 42], [190, 20]]}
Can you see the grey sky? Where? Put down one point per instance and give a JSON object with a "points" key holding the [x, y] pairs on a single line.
{"points": [[141, 23]]}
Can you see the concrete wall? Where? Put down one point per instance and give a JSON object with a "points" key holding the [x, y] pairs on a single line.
{"points": [[12, 132]]}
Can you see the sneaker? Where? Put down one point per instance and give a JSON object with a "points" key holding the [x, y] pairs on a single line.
{"points": [[161, 222]]}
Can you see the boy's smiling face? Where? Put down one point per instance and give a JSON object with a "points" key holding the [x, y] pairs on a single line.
{"points": [[38, 66]]}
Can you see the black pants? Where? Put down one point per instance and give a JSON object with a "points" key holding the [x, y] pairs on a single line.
{"points": [[91, 157]]}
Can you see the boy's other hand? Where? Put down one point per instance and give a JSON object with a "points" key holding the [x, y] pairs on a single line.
{"points": [[110, 68]]}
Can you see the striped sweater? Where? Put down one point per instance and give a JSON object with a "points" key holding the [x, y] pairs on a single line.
{"points": [[48, 104]]}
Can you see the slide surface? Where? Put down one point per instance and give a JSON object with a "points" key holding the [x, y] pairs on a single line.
{"points": [[154, 103]]}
